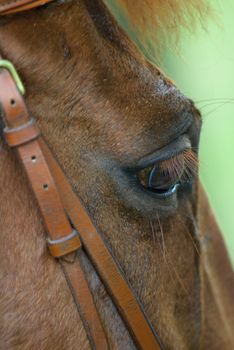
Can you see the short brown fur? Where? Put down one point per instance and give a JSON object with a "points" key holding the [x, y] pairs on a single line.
{"points": [[103, 108]]}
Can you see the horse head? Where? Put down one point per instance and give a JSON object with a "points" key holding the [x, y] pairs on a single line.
{"points": [[128, 140]]}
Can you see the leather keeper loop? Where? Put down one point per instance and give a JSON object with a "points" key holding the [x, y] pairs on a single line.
{"points": [[22, 134], [63, 246]]}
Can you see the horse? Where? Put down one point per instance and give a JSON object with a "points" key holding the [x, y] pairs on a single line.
{"points": [[127, 139]]}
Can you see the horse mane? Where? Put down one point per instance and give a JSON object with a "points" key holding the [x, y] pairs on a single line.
{"points": [[156, 22]]}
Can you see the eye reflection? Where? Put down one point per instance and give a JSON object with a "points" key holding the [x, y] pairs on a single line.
{"points": [[165, 176]]}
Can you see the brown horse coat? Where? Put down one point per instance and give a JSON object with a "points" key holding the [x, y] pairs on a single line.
{"points": [[104, 108]]}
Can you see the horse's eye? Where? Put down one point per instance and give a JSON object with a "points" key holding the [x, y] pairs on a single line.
{"points": [[160, 181], [164, 177]]}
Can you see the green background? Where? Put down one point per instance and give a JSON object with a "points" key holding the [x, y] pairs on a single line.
{"points": [[204, 71]]}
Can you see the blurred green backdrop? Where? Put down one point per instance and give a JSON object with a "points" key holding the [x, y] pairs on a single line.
{"points": [[204, 71]]}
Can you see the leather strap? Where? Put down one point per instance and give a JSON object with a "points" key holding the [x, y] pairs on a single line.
{"points": [[84, 302], [22, 134], [110, 273], [8, 7], [63, 239], [49, 185], [17, 119]]}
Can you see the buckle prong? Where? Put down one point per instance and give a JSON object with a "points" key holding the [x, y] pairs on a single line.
{"points": [[5, 64]]}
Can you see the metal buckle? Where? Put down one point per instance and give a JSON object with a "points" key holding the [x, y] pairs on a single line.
{"points": [[15, 76]]}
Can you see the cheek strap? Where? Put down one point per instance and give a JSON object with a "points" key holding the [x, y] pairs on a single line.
{"points": [[69, 226]]}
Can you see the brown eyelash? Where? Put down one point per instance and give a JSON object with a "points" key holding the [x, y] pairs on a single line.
{"points": [[185, 163]]}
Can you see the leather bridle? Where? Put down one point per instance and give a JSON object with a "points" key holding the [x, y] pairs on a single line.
{"points": [[68, 225]]}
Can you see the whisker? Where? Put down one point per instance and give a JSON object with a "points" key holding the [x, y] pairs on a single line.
{"points": [[162, 235], [190, 236], [214, 99], [172, 265], [215, 109], [153, 232], [164, 256], [214, 103], [182, 284]]}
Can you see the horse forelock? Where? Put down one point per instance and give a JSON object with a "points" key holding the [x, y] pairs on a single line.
{"points": [[159, 22]]}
